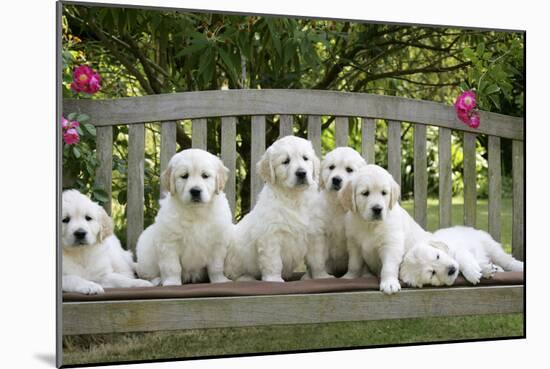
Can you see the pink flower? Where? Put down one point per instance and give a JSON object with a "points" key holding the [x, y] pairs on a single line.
{"points": [[66, 124], [463, 116], [466, 101], [71, 136], [474, 120], [85, 79]]}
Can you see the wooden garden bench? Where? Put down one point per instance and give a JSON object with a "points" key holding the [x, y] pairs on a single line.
{"points": [[169, 313]]}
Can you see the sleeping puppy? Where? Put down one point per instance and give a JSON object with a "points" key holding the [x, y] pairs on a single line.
{"points": [[378, 230], [337, 168], [280, 232], [93, 258], [188, 240], [472, 252]]}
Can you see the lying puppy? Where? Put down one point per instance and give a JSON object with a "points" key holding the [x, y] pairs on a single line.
{"points": [[337, 168], [92, 256], [188, 240], [378, 230], [473, 252], [280, 232]]}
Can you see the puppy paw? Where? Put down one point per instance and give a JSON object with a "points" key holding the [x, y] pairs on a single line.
{"points": [[90, 288], [390, 286], [156, 281], [219, 279], [272, 278], [489, 270], [472, 275], [142, 283], [172, 281]]}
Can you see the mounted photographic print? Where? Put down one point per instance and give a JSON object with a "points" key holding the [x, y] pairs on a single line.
{"points": [[242, 184]]}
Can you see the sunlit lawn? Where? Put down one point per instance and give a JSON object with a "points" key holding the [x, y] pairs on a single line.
{"points": [[193, 343]]}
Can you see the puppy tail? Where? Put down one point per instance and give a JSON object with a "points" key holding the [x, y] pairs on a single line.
{"points": [[501, 258]]}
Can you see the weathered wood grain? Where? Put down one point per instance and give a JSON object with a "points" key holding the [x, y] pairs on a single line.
{"points": [[420, 176], [257, 149], [196, 313], [445, 178], [201, 104], [518, 205], [286, 125], [470, 187], [368, 137], [104, 171], [167, 146], [135, 196], [199, 131], [314, 133], [229, 157], [394, 150], [341, 126], [495, 187]]}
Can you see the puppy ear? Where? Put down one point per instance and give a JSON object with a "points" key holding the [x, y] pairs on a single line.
{"points": [[107, 226], [168, 183], [439, 245], [346, 196], [221, 177], [265, 168], [395, 193]]}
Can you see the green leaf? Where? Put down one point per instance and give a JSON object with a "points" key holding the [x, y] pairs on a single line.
{"points": [[76, 152], [232, 68], [82, 118], [480, 48], [491, 89], [100, 195], [193, 48], [496, 100], [71, 116], [90, 128]]}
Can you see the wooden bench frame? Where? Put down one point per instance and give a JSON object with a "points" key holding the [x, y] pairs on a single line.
{"points": [[168, 314]]}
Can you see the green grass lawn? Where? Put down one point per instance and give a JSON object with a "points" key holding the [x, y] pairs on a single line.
{"points": [[209, 342]]}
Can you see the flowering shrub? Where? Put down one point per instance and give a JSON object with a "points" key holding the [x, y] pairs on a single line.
{"points": [[85, 79], [465, 109]]}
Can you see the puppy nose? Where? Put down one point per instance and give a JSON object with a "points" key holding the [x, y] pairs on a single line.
{"points": [[337, 181], [452, 270], [79, 234], [376, 209], [300, 173], [195, 192]]}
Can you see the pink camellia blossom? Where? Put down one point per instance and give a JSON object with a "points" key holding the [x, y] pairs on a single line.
{"points": [[466, 101], [71, 136], [474, 120], [85, 79]]}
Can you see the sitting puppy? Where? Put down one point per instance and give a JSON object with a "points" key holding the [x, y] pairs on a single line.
{"points": [[337, 168], [280, 232], [188, 240], [92, 256], [473, 252], [378, 230]]}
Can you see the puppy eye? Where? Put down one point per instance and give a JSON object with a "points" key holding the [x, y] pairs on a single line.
{"points": [[349, 170], [205, 176], [331, 167], [287, 160], [185, 176], [437, 256], [66, 220], [88, 218], [433, 273], [366, 193], [384, 193], [305, 158]]}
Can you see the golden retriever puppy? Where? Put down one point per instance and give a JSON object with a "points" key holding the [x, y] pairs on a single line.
{"points": [[93, 258], [280, 232], [337, 168], [378, 230], [189, 238]]}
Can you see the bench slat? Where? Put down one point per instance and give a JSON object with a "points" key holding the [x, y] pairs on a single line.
{"points": [[420, 176], [286, 123], [257, 149], [470, 190], [242, 311], [167, 146], [198, 133], [134, 207], [229, 156], [518, 217], [314, 133], [341, 131], [394, 150], [104, 171], [368, 136], [495, 187], [445, 178]]}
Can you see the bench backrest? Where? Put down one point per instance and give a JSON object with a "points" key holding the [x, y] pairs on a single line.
{"points": [[229, 105]]}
